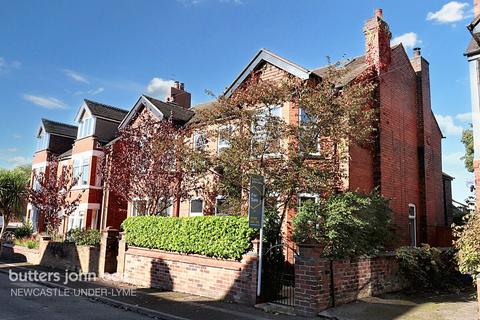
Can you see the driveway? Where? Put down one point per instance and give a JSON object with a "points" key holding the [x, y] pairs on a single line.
{"points": [[403, 306]]}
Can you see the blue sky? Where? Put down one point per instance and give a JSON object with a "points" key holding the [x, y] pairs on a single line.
{"points": [[55, 53]]}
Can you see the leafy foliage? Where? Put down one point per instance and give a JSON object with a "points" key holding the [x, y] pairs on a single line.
{"points": [[426, 267], [24, 231], [293, 157], [152, 160], [346, 225], [51, 193], [468, 244], [13, 193], [84, 237], [467, 140], [222, 237], [30, 243]]}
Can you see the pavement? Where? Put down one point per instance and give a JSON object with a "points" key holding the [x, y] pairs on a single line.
{"points": [[460, 305], [107, 299], [103, 299]]}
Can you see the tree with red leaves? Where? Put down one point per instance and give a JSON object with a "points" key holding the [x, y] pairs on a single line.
{"points": [[51, 194], [151, 165]]}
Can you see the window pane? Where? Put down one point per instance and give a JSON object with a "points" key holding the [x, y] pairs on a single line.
{"points": [[196, 206], [411, 227]]}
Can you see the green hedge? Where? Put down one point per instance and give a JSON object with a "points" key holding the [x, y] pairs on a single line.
{"points": [[222, 237]]}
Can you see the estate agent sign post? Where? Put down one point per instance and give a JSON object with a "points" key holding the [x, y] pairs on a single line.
{"points": [[255, 217]]}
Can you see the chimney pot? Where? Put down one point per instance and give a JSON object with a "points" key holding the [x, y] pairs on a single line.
{"points": [[182, 86], [176, 85], [417, 52], [378, 13]]}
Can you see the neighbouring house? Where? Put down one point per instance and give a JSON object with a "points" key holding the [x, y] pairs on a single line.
{"points": [[81, 148], [53, 139], [405, 164], [473, 56]]}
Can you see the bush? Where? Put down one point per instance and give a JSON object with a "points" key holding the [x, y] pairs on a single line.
{"points": [[426, 267], [24, 231], [223, 237], [30, 243], [468, 244], [347, 224], [83, 237]]}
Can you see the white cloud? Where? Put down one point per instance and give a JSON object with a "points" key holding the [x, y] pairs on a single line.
{"points": [[5, 65], [464, 117], [159, 87], [16, 136], [409, 40], [451, 12], [18, 161], [11, 149], [75, 76], [454, 159], [45, 102], [448, 126], [92, 92]]}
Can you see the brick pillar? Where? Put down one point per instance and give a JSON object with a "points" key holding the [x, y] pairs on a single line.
{"points": [[108, 251], [312, 286], [122, 248]]}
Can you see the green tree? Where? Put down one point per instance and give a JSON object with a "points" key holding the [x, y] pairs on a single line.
{"points": [[13, 194], [468, 244], [293, 157], [467, 140], [346, 224]]}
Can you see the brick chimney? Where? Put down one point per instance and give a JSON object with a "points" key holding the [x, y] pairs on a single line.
{"points": [[179, 96], [377, 42], [476, 8]]}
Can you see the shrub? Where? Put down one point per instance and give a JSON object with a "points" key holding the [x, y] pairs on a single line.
{"points": [[468, 244], [30, 243], [347, 224], [223, 237], [83, 237], [24, 231], [426, 267]]}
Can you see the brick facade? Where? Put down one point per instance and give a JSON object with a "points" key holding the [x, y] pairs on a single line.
{"points": [[209, 277], [353, 279]]}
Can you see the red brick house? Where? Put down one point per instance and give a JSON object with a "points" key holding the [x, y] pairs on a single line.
{"points": [[405, 164]]}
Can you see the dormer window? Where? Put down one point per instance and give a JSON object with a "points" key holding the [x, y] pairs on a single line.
{"points": [[42, 141], [86, 127]]}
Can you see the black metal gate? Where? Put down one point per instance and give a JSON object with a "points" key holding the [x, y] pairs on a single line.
{"points": [[278, 275]]}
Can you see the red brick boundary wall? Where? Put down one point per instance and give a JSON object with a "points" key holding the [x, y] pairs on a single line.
{"points": [[353, 279], [56, 255], [200, 275]]}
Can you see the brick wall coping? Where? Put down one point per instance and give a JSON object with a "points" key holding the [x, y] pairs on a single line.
{"points": [[22, 248], [190, 258]]}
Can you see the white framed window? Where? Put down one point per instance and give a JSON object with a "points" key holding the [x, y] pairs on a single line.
{"points": [[259, 129], [36, 176], [86, 127], [75, 221], [412, 224], [43, 141], [304, 198], [199, 141], [81, 171], [224, 134], [304, 119], [196, 207], [168, 212], [139, 208]]}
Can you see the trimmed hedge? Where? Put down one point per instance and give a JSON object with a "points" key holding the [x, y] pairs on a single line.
{"points": [[226, 237]]}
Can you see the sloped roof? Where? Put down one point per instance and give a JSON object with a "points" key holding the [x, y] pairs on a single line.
{"points": [[209, 105], [170, 109], [353, 68], [265, 55], [59, 128], [473, 48], [67, 154], [105, 111]]}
